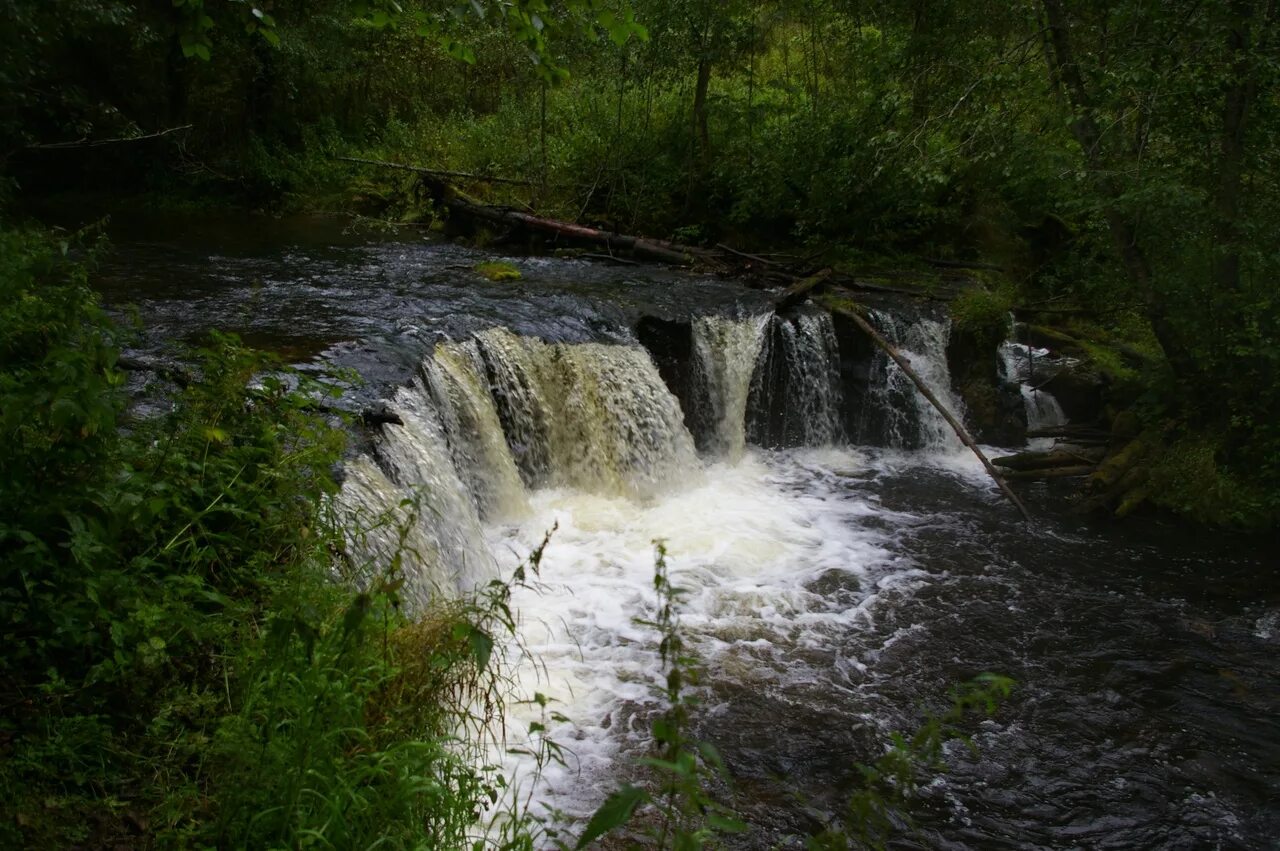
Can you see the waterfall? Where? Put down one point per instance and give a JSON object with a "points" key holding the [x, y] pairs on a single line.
{"points": [[726, 351], [895, 410], [491, 419], [416, 457], [460, 388], [489, 414], [796, 393], [587, 415], [1017, 365]]}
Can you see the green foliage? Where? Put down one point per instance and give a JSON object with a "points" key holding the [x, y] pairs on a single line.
{"points": [[1190, 478], [180, 662], [984, 314]]}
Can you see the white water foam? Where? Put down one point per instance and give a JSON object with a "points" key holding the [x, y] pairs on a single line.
{"points": [[745, 541]]}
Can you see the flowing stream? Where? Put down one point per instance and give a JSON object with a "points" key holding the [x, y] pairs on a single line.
{"points": [[844, 561]]}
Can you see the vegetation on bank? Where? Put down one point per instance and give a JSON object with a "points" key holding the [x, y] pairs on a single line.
{"points": [[181, 667]]}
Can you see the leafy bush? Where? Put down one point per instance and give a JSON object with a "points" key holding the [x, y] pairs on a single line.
{"points": [[181, 664]]}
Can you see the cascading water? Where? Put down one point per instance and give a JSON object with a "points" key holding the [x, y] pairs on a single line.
{"points": [[588, 415], [460, 388], [796, 398], [894, 408], [1017, 365], [726, 352], [591, 417], [418, 508]]}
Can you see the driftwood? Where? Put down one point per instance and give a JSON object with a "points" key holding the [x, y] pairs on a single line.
{"points": [[801, 289], [1079, 470], [928, 394], [441, 173], [98, 143], [1053, 458]]}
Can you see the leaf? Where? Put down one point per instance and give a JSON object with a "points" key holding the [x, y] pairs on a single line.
{"points": [[613, 813], [481, 647]]}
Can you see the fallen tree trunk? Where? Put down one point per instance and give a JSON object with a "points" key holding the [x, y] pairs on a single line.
{"points": [[442, 173], [1052, 472], [666, 252], [801, 289], [928, 394], [1052, 458]]}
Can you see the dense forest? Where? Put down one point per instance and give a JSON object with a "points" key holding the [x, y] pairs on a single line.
{"points": [[176, 656]]}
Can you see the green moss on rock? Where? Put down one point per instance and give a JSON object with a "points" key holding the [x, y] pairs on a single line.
{"points": [[496, 270]]}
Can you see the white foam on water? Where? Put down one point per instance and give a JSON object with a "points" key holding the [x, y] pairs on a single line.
{"points": [[744, 540]]}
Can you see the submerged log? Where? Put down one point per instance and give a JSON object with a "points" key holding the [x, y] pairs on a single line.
{"points": [[928, 394]]}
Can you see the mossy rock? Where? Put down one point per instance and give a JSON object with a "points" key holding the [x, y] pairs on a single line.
{"points": [[497, 271]]}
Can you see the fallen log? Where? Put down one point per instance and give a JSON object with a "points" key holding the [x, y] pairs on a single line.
{"points": [[801, 290], [457, 203], [754, 258], [666, 252], [456, 175], [1072, 432], [1052, 472], [928, 394], [1052, 458], [98, 143]]}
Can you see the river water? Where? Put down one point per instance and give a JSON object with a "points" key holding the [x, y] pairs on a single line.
{"points": [[844, 561]]}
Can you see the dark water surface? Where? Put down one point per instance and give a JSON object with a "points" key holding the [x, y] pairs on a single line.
{"points": [[1147, 713]]}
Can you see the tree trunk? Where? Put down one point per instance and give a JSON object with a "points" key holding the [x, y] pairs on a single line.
{"points": [[1240, 93], [700, 131]]}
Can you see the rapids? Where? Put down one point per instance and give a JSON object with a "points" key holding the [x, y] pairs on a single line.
{"points": [[845, 563]]}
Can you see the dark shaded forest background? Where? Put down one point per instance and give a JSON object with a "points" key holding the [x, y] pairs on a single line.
{"points": [[1119, 160]]}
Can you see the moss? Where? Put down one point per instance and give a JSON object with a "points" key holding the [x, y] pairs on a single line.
{"points": [[840, 304], [981, 399], [1188, 478], [496, 270], [983, 314]]}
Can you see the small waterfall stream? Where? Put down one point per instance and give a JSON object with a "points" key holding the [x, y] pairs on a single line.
{"points": [[1017, 365], [895, 409], [727, 351]]}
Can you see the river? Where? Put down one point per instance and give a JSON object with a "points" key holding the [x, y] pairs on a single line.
{"points": [[845, 561]]}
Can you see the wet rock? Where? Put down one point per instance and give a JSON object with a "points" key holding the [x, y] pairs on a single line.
{"points": [[996, 412], [670, 344]]}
